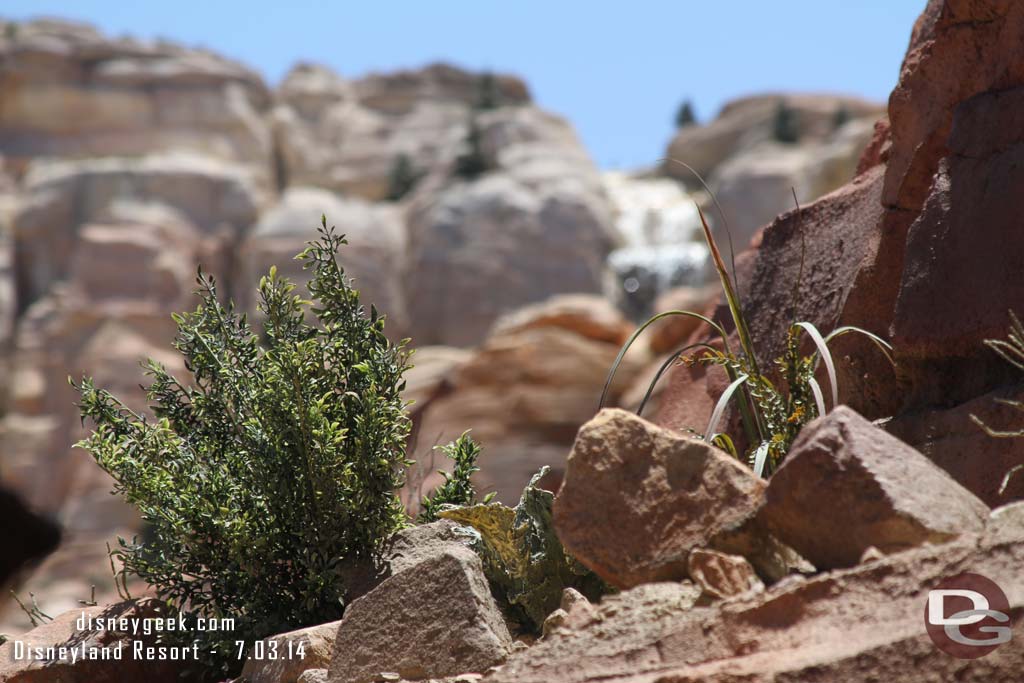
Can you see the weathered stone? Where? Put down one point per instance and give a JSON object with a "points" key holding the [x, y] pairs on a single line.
{"points": [[637, 499], [317, 648], [437, 620], [847, 485], [500, 237], [860, 624], [373, 256], [68, 91], [131, 667], [721, 575], [588, 315], [524, 394], [313, 676]]}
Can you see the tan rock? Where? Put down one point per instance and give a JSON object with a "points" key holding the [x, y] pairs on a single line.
{"points": [[590, 316], [860, 624], [637, 499], [437, 620], [294, 653], [721, 575], [847, 485]]}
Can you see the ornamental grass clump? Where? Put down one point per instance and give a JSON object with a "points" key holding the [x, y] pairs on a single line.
{"points": [[773, 409], [273, 466]]}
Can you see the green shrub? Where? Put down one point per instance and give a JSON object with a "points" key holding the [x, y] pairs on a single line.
{"points": [[488, 95], [402, 178], [841, 116], [472, 163], [1012, 351], [457, 489], [785, 127], [772, 412], [685, 116], [276, 464]]}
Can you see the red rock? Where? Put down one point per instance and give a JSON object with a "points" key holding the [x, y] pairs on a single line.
{"points": [[721, 575], [846, 485], [637, 499]]}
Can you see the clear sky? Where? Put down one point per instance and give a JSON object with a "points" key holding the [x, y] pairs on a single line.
{"points": [[617, 70]]}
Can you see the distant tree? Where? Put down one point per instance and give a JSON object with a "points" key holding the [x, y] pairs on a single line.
{"points": [[841, 117], [785, 127], [472, 163], [488, 95], [402, 177], [11, 31], [685, 116]]}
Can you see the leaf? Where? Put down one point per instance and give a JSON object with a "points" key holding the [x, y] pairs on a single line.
{"points": [[716, 414], [826, 356]]}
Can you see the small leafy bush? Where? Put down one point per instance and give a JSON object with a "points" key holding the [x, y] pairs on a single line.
{"points": [[472, 163], [457, 489], [685, 116], [785, 127], [488, 95], [772, 412], [402, 178], [1012, 351], [275, 465]]}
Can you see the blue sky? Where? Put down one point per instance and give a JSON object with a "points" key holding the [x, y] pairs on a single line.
{"points": [[617, 70]]}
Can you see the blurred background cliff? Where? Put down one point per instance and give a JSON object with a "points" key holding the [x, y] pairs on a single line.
{"points": [[477, 219]]}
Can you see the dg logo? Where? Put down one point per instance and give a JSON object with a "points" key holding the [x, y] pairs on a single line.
{"points": [[968, 616]]}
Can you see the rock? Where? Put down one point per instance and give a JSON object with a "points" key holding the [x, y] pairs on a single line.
{"points": [[427, 379], [27, 536], [575, 611], [958, 50], [347, 136], [858, 624], [745, 122], [720, 575], [68, 91], [376, 244], [671, 333], [587, 315], [438, 620], [847, 485], [317, 646], [524, 394], [946, 305], [18, 664], [637, 499], [498, 235], [946, 435], [313, 676]]}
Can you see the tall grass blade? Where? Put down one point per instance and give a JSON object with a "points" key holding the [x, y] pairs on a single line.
{"points": [[1009, 475], [883, 346], [825, 355], [639, 331], [819, 398], [760, 458], [665, 366], [716, 414]]}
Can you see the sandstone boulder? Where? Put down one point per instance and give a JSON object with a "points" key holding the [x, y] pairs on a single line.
{"points": [[590, 316], [720, 575], [859, 624], [68, 91], [524, 394], [637, 499], [846, 485], [437, 620], [317, 648], [373, 256], [481, 249]]}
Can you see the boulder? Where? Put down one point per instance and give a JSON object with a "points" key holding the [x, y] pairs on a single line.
{"points": [[317, 649], [524, 394], [846, 485], [720, 575], [19, 663], [502, 238], [859, 624], [437, 620], [637, 499], [587, 315], [313, 676], [373, 256], [347, 136], [745, 122], [69, 91]]}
